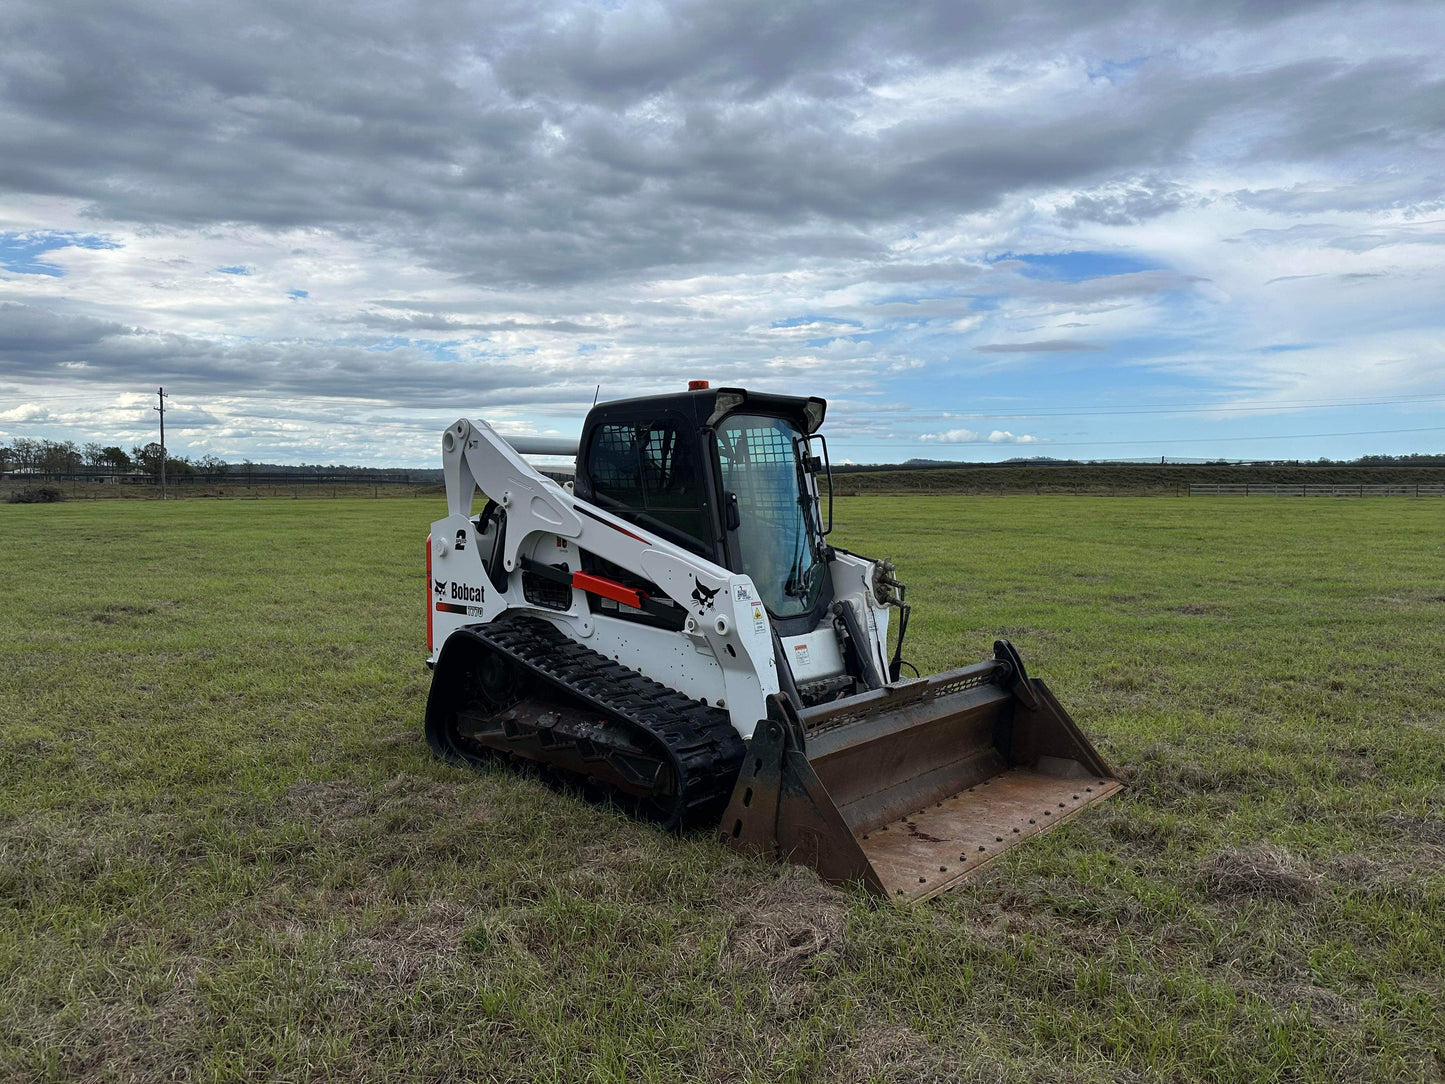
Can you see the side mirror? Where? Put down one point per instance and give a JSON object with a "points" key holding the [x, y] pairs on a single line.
{"points": [[815, 464]]}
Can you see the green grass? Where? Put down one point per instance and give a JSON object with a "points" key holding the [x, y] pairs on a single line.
{"points": [[225, 854]]}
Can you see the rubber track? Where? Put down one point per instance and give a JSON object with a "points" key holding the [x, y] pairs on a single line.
{"points": [[705, 750]]}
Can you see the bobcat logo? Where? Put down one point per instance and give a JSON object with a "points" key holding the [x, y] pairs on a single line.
{"points": [[439, 587], [703, 596]]}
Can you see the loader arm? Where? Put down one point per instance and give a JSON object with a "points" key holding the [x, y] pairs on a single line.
{"points": [[724, 622]]}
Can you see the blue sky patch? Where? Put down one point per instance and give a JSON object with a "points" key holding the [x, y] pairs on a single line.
{"points": [[1118, 71], [799, 321], [235, 269], [23, 252], [298, 295], [441, 349], [1076, 266]]}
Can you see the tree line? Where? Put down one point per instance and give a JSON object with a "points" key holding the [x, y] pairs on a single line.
{"points": [[52, 458]]}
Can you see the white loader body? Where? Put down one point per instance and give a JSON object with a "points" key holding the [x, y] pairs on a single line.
{"points": [[724, 654]]}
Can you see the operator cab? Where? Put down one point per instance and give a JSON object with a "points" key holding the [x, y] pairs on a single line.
{"points": [[730, 475]]}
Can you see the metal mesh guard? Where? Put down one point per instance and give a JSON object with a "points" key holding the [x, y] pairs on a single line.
{"points": [[912, 693]]}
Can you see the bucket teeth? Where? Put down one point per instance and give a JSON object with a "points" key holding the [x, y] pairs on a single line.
{"points": [[911, 789]]}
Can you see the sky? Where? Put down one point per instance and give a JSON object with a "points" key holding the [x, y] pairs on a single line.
{"points": [[980, 230]]}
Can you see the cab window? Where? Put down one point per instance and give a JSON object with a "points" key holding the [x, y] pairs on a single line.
{"points": [[651, 467]]}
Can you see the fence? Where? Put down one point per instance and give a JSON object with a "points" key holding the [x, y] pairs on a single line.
{"points": [[239, 482], [1310, 489]]}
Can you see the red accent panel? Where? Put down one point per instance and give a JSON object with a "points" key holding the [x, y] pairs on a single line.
{"points": [[628, 533], [428, 596], [600, 585], [609, 523]]}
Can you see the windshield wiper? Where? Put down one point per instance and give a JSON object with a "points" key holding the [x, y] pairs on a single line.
{"points": [[791, 586]]}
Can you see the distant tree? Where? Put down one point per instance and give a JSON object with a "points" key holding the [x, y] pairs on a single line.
{"points": [[59, 457], [147, 457], [179, 467], [212, 464], [93, 454], [6, 458], [25, 452], [115, 457]]}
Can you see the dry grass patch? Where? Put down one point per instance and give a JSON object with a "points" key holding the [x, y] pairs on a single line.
{"points": [[401, 949], [1414, 828], [792, 930], [882, 1053], [1264, 871]]}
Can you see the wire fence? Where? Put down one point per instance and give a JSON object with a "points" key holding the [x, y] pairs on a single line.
{"points": [[88, 485], [237, 483], [1275, 489]]}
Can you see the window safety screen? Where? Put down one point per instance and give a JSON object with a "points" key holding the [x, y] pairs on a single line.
{"points": [[761, 470], [651, 468]]}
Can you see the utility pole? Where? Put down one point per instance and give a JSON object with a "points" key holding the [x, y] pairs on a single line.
{"points": [[161, 397]]}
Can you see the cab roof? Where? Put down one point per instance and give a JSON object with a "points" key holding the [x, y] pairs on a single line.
{"points": [[708, 406]]}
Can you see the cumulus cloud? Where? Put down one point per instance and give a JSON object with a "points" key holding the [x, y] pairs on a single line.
{"points": [[970, 436], [1125, 204], [508, 206]]}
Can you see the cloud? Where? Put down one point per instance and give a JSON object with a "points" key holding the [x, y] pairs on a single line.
{"points": [[506, 206], [1045, 346], [25, 412], [970, 436], [1125, 204], [556, 142]]}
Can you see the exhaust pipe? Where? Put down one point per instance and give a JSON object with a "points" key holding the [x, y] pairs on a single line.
{"points": [[912, 788]]}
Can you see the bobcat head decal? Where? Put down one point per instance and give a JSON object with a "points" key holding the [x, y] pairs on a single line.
{"points": [[703, 596], [439, 587]]}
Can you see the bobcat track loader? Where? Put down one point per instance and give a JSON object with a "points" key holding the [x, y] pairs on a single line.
{"points": [[676, 629]]}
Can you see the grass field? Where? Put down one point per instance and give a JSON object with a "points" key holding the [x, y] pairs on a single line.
{"points": [[225, 854]]}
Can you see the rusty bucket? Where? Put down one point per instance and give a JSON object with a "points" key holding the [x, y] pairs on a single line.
{"points": [[911, 788]]}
